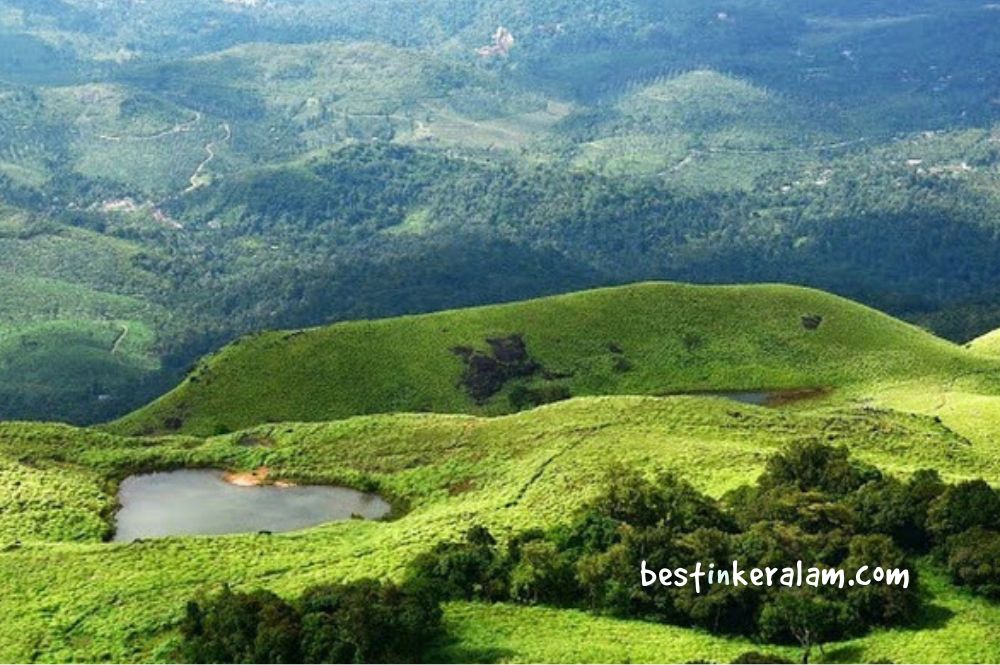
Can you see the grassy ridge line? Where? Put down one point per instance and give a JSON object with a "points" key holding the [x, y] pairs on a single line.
{"points": [[96, 601], [426, 459], [988, 344], [673, 337]]}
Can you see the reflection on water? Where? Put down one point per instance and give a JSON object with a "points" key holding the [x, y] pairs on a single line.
{"points": [[755, 398], [201, 502]]}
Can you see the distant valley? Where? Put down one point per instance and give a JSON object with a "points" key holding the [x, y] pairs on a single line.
{"points": [[195, 172]]}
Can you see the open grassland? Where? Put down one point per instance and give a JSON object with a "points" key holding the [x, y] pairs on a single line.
{"points": [[988, 343], [91, 600], [644, 339], [901, 399], [49, 502]]}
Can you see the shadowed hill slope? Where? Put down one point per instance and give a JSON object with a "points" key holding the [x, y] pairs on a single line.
{"points": [[653, 338]]}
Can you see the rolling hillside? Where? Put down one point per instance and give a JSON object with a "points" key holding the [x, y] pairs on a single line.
{"points": [[76, 332], [705, 130], [71, 594], [654, 338], [210, 209], [988, 343], [265, 165], [902, 400]]}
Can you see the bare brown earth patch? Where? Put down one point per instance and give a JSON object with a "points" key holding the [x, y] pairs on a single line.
{"points": [[461, 487], [259, 476], [785, 397]]}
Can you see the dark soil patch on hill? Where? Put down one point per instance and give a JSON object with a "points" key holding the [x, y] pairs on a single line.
{"points": [[812, 321], [255, 440]]}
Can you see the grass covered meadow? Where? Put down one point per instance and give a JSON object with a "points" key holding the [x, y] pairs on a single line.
{"points": [[897, 397], [654, 338]]}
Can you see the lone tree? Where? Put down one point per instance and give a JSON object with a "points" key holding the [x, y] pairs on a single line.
{"points": [[807, 618]]}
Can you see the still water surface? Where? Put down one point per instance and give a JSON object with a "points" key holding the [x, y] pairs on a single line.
{"points": [[200, 502]]}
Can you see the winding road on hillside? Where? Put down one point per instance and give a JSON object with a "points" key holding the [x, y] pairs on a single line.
{"points": [[121, 338], [176, 129], [210, 149]]}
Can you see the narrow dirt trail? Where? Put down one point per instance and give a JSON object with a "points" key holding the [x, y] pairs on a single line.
{"points": [[121, 338], [176, 129], [210, 149]]}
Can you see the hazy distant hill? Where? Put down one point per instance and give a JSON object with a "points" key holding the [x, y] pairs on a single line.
{"points": [[194, 171]]}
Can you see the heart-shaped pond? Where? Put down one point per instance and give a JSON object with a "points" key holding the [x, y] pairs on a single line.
{"points": [[201, 501]]}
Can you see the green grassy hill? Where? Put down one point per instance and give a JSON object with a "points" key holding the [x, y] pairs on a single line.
{"points": [[988, 343], [77, 333], [902, 400], [707, 131], [70, 595], [654, 338]]}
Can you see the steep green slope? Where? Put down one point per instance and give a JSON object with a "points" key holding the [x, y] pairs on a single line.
{"points": [[653, 338]]}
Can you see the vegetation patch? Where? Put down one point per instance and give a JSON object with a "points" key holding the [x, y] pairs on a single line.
{"points": [[361, 622], [812, 504], [812, 321], [486, 373]]}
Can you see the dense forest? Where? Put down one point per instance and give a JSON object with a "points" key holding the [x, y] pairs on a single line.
{"points": [[384, 331], [164, 190]]}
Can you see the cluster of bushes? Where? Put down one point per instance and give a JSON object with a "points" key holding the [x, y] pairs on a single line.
{"points": [[361, 622], [965, 522], [812, 504]]}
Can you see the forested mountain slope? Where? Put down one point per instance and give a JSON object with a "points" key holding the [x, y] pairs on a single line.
{"points": [[189, 172]]}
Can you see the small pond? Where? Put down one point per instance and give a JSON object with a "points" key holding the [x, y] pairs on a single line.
{"points": [[757, 398], [202, 502], [773, 398]]}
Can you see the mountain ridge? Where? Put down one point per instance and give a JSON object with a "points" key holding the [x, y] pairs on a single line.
{"points": [[646, 338]]}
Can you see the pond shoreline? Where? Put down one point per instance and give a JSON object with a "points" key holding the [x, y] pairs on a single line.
{"points": [[767, 398], [256, 478]]}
